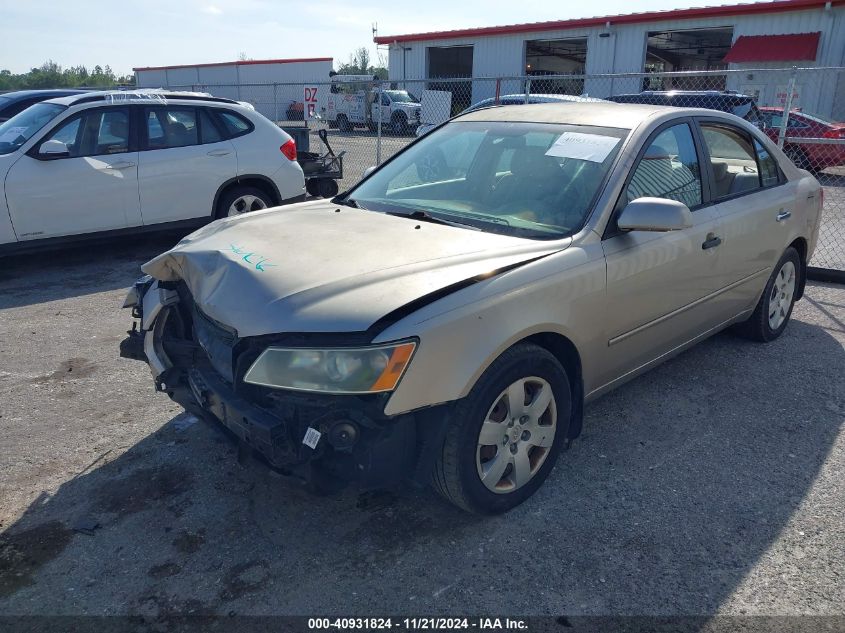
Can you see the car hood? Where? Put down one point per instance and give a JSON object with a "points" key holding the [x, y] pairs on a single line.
{"points": [[320, 267]]}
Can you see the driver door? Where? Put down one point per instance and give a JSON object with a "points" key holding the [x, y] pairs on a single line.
{"points": [[91, 187]]}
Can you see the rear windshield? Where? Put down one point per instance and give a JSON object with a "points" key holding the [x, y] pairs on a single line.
{"points": [[20, 128]]}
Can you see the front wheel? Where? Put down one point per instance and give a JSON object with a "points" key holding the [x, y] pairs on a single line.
{"points": [[505, 437], [774, 308], [399, 123]]}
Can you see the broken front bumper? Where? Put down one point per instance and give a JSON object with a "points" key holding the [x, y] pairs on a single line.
{"points": [[187, 354]]}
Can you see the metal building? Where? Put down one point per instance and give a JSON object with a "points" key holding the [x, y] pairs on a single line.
{"points": [[237, 80], [778, 34]]}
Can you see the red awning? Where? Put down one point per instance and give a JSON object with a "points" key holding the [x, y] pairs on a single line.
{"points": [[793, 47]]}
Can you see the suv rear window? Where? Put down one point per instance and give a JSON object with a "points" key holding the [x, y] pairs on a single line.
{"points": [[234, 123]]}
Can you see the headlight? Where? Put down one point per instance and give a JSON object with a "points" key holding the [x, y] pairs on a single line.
{"points": [[340, 370]]}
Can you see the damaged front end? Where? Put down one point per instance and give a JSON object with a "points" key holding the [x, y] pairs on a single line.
{"points": [[325, 438]]}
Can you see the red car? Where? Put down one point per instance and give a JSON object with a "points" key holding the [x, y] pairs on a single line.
{"points": [[811, 156]]}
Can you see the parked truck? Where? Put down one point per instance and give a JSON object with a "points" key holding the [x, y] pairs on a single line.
{"points": [[353, 101]]}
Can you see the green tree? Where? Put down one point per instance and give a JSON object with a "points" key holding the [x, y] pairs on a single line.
{"points": [[52, 75], [359, 64]]}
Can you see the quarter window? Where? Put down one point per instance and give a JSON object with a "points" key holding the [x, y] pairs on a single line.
{"points": [[235, 124], [769, 173], [732, 159], [668, 169], [171, 127]]}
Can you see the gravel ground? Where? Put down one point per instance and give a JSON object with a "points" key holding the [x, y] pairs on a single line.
{"points": [[714, 484]]}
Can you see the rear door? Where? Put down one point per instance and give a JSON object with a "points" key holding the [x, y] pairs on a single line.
{"points": [[94, 187], [755, 204], [661, 286], [185, 157]]}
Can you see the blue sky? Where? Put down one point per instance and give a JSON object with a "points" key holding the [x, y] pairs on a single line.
{"points": [[125, 34]]}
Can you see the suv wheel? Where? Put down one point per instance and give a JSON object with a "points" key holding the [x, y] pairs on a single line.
{"points": [[505, 437], [240, 200]]}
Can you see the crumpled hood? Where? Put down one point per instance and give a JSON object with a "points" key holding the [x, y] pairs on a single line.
{"points": [[313, 268]]}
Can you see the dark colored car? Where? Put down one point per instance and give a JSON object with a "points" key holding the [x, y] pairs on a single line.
{"points": [[812, 156], [741, 105], [11, 103]]}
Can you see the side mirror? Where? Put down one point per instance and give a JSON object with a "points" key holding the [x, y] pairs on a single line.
{"points": [[53, 149], [655, 214], [368, 171]]}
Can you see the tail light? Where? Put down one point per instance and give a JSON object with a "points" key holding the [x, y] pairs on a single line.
{"points": [[289, 150], [833, 134]]}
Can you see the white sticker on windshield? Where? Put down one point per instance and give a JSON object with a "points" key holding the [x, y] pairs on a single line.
{"points": [[592, 147], [11, 134]]}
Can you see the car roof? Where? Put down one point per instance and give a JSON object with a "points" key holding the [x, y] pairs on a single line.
{"points": [[600, 114], [137, 96]]}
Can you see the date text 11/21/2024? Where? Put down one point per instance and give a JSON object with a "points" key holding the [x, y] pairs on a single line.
{"points": [[418, 624]]}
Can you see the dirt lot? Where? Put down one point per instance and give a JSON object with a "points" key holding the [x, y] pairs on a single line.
{"points": [[713, 484]]}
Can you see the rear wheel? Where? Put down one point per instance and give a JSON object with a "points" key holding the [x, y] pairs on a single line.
{"points": [[399, 123], [343, 123], [240, 200], [312, 186], [505, 437], [772, 313]]}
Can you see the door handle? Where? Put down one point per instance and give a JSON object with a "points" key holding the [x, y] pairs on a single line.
{"points": [[123, 165], [783, 215], [712, 241], [219, 152]]}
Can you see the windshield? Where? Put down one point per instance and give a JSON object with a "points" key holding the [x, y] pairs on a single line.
{"points": [[20, 128], [534, 180], [400, 96]]}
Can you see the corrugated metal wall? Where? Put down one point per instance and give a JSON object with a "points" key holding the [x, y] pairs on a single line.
{"points": [[623, 51]]}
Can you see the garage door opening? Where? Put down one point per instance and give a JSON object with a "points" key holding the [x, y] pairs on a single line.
{"points": [[449, 62], [556, 57], [693, 49]]}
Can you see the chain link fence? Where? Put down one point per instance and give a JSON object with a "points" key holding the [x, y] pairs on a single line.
{"points": [[801, 109]]}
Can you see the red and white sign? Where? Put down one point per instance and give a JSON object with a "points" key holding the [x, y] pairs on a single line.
{"points": [[309, 101]]}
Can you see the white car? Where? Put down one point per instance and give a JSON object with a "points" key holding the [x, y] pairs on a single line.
{"points": [[112, 162]]}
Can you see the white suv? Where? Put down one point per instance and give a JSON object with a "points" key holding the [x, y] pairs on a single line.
{"points": [[111, 162]]}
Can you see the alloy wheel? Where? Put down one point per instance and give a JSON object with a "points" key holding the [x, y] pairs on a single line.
{"points": [[245, 204]]}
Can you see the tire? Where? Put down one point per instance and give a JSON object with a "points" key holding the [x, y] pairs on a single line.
{"points": [[399, 123], [343, 123], [312, 186], [770, 319], [246, 198], [463, 458], [327, 188]]}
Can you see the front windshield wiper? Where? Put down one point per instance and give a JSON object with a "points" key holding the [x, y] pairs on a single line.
{"points": [[425, 216]]}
